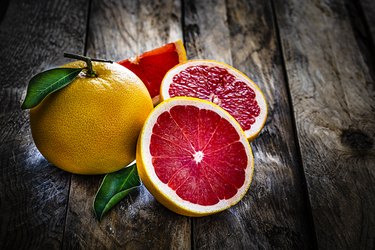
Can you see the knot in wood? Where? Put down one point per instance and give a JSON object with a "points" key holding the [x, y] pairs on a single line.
{"points": [[356, 140]]}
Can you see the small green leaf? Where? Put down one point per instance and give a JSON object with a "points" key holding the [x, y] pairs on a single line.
{"points": [[114, 187], [47, 82]]}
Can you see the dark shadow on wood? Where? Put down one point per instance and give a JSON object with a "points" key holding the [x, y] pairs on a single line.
{"points": [[362, 34], [3, 9], [367, 8]]}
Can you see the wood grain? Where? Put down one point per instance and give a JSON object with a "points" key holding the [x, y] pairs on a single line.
{"points": [[333, 95], [33, 194], [274, 213], [206, 30], [118, 30], [137, 26]]}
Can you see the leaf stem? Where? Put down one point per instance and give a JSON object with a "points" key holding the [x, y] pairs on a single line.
{"points": [[90, 70], [101, 60]]}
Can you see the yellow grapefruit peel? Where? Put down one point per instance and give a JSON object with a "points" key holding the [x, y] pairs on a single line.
{"points": [[91, 126]]}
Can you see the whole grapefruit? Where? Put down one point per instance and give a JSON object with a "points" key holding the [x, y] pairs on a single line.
{"points": [[91, 126]]}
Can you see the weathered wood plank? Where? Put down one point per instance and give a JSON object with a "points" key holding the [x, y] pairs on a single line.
{"points": [[33, 194], [118, 30], [206, 30], [333, 93], [274, 213], [286, 223]]}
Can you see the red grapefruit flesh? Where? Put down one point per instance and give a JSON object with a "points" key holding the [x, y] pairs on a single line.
{"points": [[223, 85], [151, 66], [194, 157]]}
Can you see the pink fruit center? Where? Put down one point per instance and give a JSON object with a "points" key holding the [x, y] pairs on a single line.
{"points": [[217, 85], [198, 154]]}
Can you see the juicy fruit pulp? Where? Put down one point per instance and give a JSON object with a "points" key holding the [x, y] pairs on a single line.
{"points": [[152, 65], [192, 157], [91, 126], [219, 86], [195, 158], [223, 85]]}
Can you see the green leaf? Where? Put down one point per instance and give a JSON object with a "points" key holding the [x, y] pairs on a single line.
{"points": [[47, 82], [114, 187]]}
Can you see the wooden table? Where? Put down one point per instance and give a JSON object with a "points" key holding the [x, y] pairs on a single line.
{"points": [[314, 183]]}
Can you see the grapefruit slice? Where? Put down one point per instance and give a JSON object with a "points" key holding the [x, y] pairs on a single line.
{"points": [[152, 65], [194, 157], [223, 85]]}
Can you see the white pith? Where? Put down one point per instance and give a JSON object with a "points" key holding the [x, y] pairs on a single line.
{"points": [[198, 156], [164, 188], [260, 119]]}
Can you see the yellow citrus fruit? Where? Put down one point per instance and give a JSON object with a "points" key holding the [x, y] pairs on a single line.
{"points": [[92, 125], [194, 157]]}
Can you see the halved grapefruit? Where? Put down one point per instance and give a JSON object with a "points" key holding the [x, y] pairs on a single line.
{"points": [[223, 85], [152, 65], [194, 157]]}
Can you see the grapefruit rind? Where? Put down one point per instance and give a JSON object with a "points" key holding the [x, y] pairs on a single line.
{"points": [[180, 48], [255, 129], [162, 192]]}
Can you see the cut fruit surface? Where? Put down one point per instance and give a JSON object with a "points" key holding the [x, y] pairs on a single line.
{"points": [[194, 157], [223, 85], [152, 65]]}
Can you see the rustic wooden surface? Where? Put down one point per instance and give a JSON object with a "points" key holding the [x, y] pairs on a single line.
{"points": [[314, 172], [333, 95]]}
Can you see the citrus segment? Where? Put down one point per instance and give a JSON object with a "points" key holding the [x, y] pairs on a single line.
{"points": [[223, 85], [151, 66], [194, 157]]}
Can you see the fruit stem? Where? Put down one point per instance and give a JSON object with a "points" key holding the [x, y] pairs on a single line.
{"points": [[90, 71]]}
